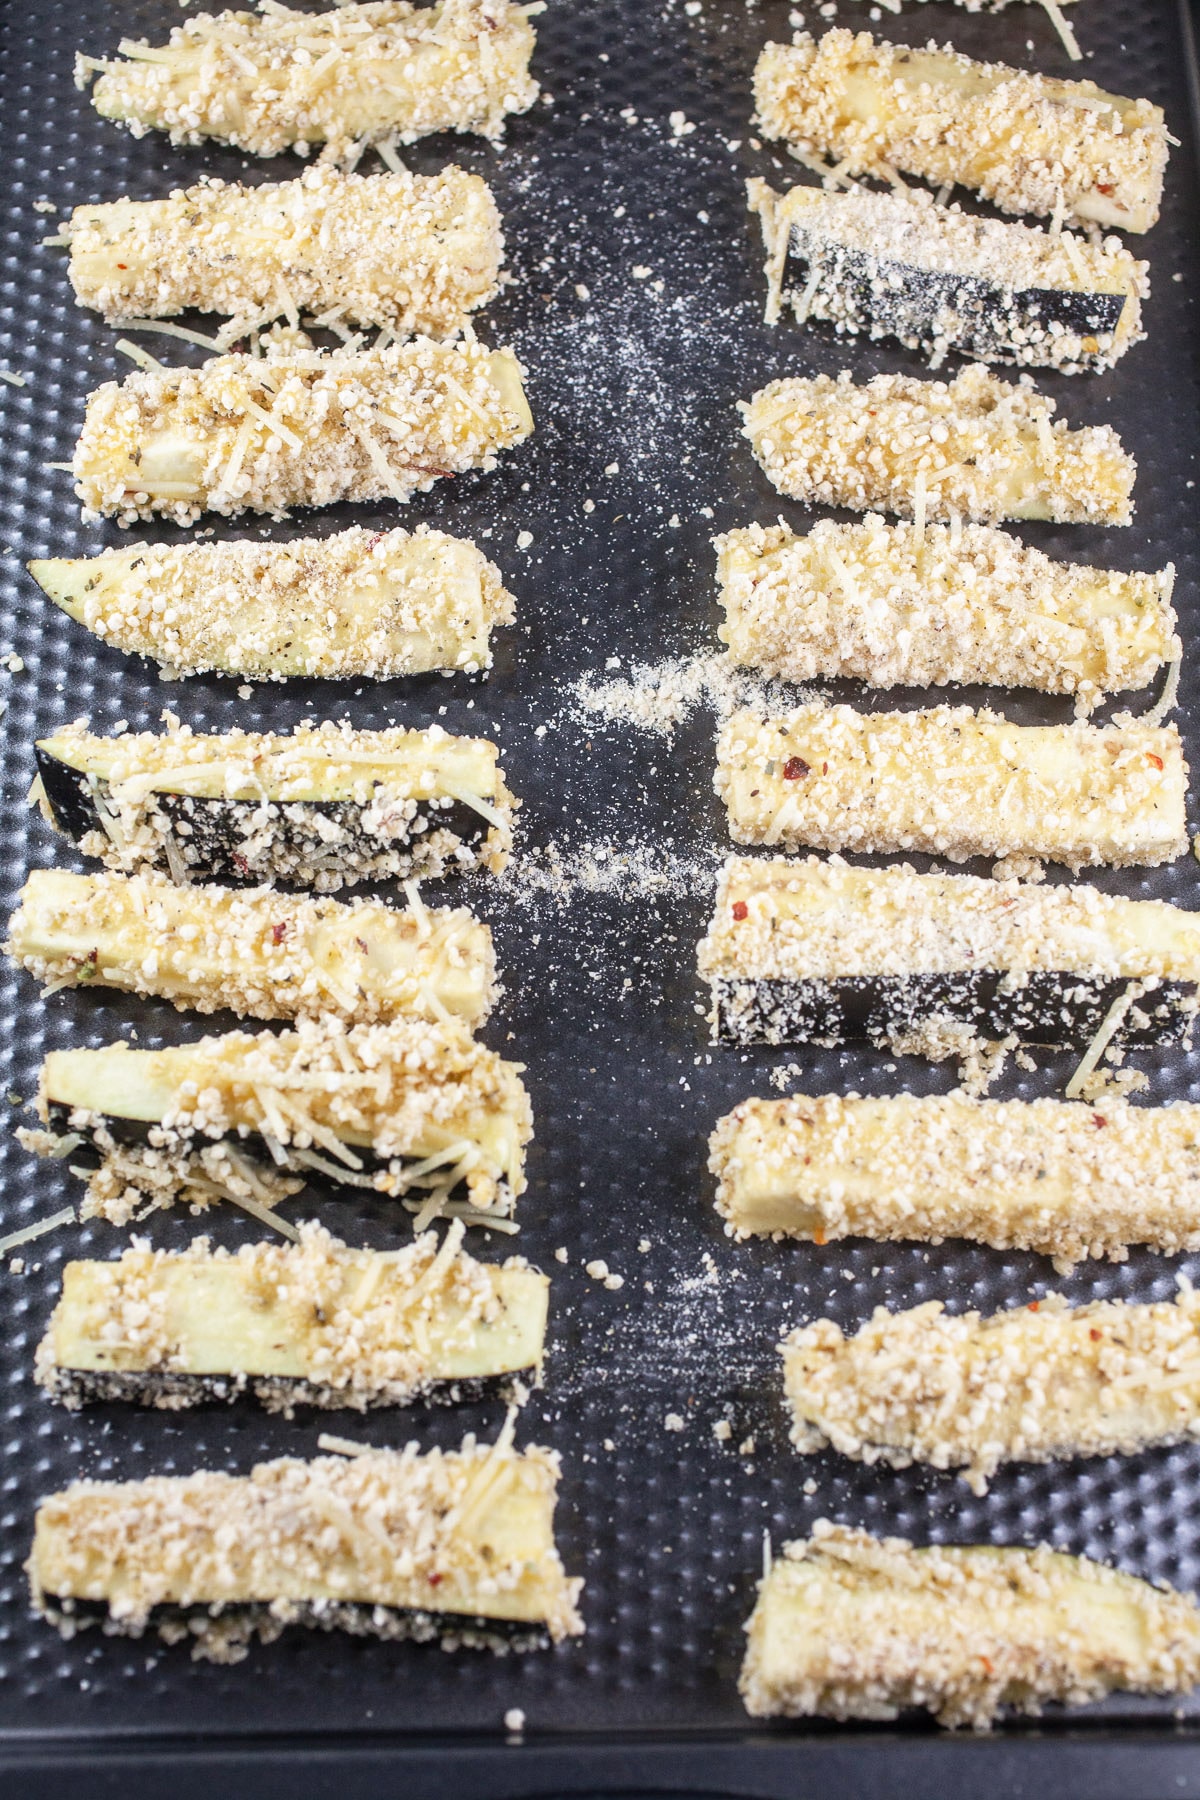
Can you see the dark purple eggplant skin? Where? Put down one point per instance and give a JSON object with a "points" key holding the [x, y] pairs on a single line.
{"points": [[211, 837], [136, 1387], [1055, 1008], [360, 1619]]}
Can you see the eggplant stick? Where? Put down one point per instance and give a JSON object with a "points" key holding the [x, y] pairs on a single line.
{"points": [[973, 448], [299, 428], [383, 72], [411, 254], [850, 1626], [259, 953], [306, 1324], [1038, 1383], [323, 805], [1028, 143], [879, 604], [408, 1110], [374, 603], [455, 1547], [801, 949]]}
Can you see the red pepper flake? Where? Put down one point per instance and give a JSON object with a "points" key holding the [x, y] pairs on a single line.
{"points": [[1156, 760], [363, 945], [1104, 187], [740, 909], [987, 1663], [279, 932], [824, 768], [819, 1236], [1098, 1120], [1095, 1335], [1033, 1305], [795, 769], [435, 1579]]}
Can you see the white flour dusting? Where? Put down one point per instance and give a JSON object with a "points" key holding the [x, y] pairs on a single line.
{"points": [[695, 1335], [557, 873], [661, 696]]}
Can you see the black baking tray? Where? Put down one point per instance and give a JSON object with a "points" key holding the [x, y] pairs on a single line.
{"points": [[637, 307]]}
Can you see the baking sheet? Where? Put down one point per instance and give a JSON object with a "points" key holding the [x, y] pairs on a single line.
{"points": [[636, 306]]}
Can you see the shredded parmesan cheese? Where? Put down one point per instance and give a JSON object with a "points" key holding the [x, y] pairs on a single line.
{"points": [[1169, 697], [28, 1232], [1107, 1030], [1059, 22]]}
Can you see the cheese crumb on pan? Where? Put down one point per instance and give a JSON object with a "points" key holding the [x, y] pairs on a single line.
{"points": [[1026, 142], [410, 254], [377, 603], [383, 72], [1065, 1179], [302, 428], [1035, 1384], [955, 783], [452, 1546], [850, 1626], [972, 448], [872, 602]]}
